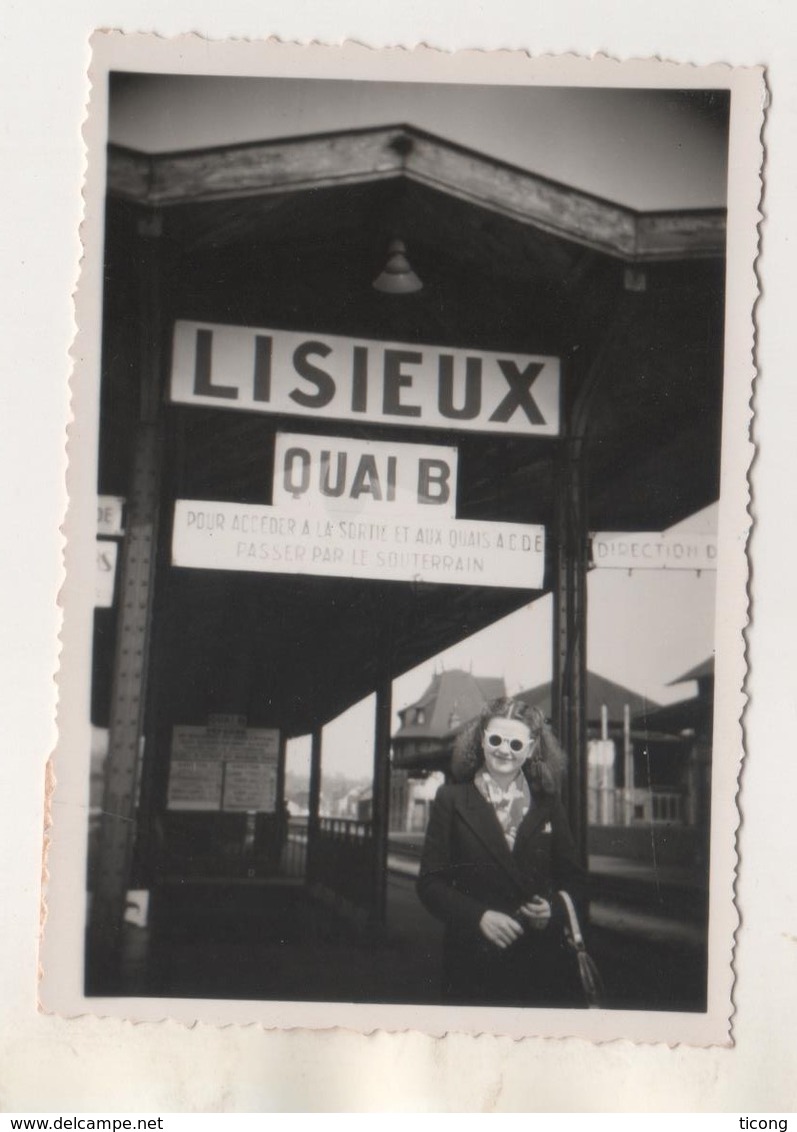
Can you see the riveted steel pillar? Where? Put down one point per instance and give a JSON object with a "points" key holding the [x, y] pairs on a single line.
{"points": [[570, 632], [582, 380], [137, 569]]}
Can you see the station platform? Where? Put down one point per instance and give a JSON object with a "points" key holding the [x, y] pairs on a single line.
{"points": [[284, 941], [661, 904]]}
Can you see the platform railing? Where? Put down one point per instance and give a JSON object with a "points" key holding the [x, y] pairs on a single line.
{"points": [[294, 851], [617, 806], [342, 860]]}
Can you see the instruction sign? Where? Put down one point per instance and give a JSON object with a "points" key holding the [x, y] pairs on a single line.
{"points": [[110, 510], [339, 474], [105, 575], [311, 374], [644, 551], [223, 767], [260, 539]]}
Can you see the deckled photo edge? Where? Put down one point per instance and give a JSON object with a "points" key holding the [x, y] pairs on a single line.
{"points": [[711, 1028]]}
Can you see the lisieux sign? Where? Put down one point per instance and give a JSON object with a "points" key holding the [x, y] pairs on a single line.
{"points": [[337, 475], [410, 548], [309, 374]]}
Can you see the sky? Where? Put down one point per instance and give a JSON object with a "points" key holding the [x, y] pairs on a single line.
{"points": [[644, 149]]}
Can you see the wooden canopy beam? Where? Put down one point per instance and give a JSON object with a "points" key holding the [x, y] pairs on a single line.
{"points": [[362, 156]]}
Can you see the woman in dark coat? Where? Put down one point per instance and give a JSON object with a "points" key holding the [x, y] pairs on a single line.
{"points": [[498, 850]]}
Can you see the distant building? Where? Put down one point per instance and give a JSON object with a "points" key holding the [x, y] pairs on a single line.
{"points": [[423, 744], [356, 804], [425, 738], [627, 761], [648, 771], [692, 721], [647, 765], [298, 804], [692, 717]]}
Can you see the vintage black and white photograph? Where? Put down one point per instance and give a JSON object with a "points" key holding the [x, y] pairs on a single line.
{"points": [[417, 459]]}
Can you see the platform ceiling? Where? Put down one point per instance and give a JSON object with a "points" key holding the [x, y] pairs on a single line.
{"points": [[499, 272]]}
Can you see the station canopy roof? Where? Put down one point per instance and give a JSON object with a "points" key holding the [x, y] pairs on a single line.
{"points": [[290, 234]]}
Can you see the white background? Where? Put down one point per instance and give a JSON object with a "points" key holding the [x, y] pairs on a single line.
{"points": [[52, 1064]]}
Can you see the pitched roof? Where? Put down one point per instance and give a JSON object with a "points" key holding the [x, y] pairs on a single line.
{"points": [[600, 692], [704, 671], [456, 696], [672, 719], [452, 698], [491, 687]]}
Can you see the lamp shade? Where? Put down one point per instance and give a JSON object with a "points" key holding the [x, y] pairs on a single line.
{"points": [[397, 276]]}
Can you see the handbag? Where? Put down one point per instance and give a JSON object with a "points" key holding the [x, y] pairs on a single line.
{"points": [[588, 973]]}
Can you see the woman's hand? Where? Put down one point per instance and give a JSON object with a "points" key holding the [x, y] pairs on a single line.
{"points": [[537, 912], [500, 929]]}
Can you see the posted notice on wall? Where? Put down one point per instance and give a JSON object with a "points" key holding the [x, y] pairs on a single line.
{"points": [[250, 786], [277, 540], [195, 785], [215, 768]]}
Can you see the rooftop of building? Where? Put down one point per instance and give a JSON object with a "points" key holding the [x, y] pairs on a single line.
{"points": [[601, 693], [703, 671], [452, 698]]}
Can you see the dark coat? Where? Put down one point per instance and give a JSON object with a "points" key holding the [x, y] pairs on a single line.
{"points": [[467, 869]]}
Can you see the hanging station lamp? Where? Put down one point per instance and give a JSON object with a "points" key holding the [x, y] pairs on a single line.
{"points": [[397, 276]]}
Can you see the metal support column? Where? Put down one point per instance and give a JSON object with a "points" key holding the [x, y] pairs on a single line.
{"points": [[582, 381], [570, 633], [280, 813], [380, 815], [118, 830], [313, 803], [281, 759], [628, 768]]}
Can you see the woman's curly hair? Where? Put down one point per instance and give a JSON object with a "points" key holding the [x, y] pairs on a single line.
{"points": [[546, 767]]}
